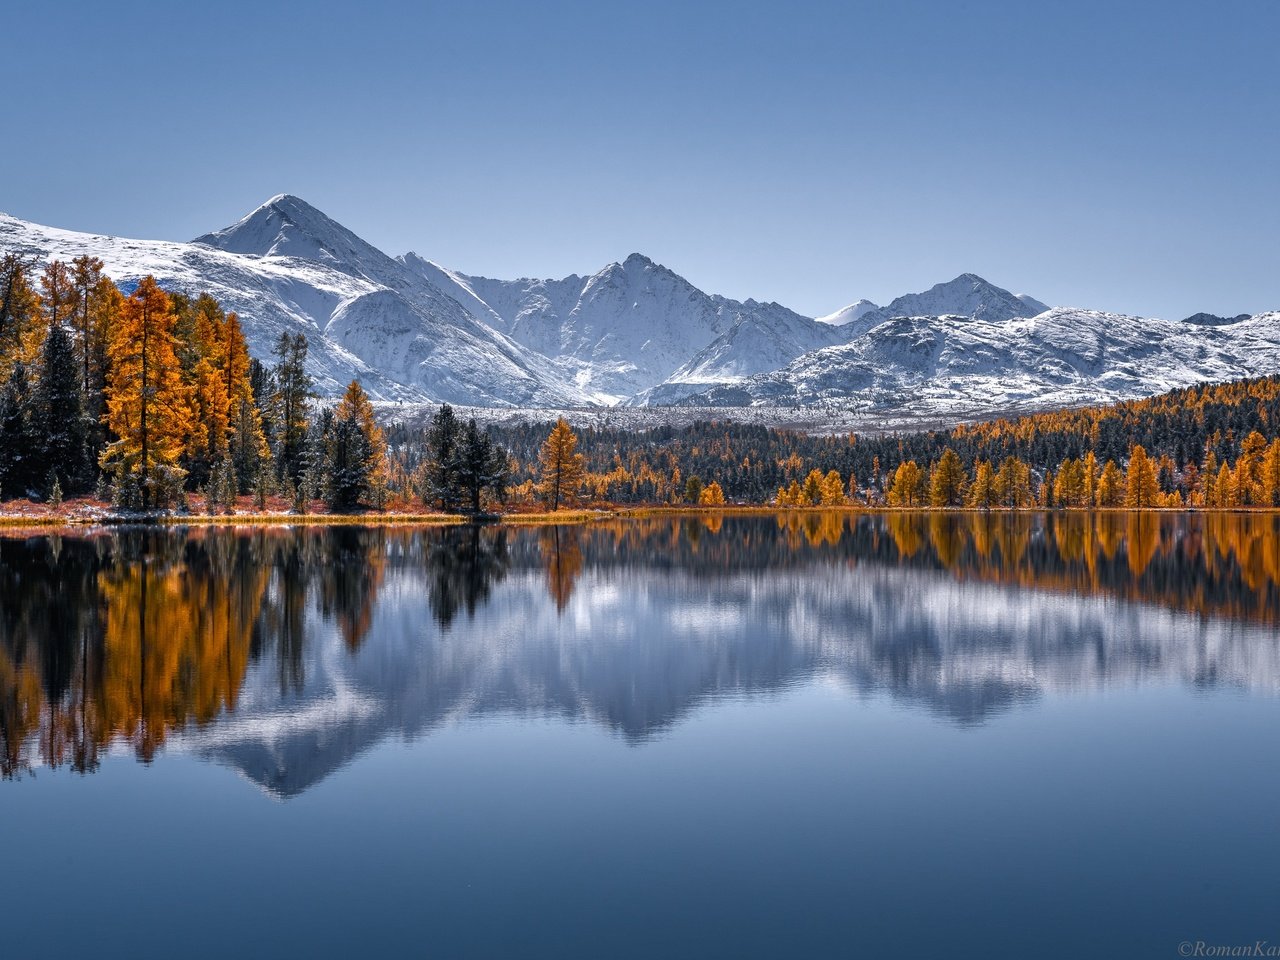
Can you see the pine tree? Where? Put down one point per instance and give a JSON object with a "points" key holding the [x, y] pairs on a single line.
{"points": [[1225, 491], [262, 487], [1071, 485], [441, 481], [210, 442], [57, 415], [481, 466], [1269, 476], [693, 489], [1208, 477], [315, 464], [17, 437], [106, 306], [290, 402], [347, 467], [561, 467], [356, 406], [1090, 473], [249, 448], [222, 487]]}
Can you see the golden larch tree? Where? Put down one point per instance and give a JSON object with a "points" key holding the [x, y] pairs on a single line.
{"points": [[149, 408], [833, 489], [561, 469], [907, 489], [947, 481], [1111, 488], [712, 495], [1141, 487]]}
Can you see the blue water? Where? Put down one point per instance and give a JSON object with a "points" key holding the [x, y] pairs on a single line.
{"points": [[738, 750]]}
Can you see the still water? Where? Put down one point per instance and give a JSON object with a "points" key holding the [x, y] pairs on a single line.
{"points": [[817, 736]]}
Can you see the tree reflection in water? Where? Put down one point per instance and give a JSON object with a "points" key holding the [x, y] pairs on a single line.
{"points": [[132, 636]]}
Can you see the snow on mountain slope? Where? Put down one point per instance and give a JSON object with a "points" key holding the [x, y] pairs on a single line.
{"points": [[636, 332], [854, 311], [968, 295], [272, 297], [411, 331], [1034, 305], [616, 333], [966, 367], [765, 337], [289, 268]]}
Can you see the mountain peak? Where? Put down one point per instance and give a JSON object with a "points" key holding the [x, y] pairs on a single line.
{"points": [[968, 295], [854, 311], [285, 226]]}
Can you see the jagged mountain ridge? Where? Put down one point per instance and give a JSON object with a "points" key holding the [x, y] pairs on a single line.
{"points": [[968, 295], [635, 332], [966, 367], [287, 267], [633, 325]]}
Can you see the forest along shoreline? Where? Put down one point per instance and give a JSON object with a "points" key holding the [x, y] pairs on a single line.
{"points": [[148, 407]]}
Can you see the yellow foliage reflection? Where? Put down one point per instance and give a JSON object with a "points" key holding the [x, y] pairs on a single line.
{"points": [[132, 637]]}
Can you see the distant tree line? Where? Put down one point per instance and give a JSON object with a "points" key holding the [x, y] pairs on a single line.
{"points": [[1209, 445]]}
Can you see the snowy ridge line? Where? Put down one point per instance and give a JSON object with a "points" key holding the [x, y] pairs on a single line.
{"points": [[636, 334]]}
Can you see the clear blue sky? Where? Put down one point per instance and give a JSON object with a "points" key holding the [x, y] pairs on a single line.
{"points": [[1109, 154]]}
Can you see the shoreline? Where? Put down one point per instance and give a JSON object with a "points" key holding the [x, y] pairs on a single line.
{"points": [[546, 518]]}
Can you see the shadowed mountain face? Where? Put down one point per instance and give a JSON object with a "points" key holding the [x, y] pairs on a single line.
{"points": [[285, 654]]}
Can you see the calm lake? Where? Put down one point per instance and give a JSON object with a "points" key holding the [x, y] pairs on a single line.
{"points": [[803, 736]]}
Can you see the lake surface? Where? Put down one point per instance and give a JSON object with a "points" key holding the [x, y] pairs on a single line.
{"points": [[805, 736]]}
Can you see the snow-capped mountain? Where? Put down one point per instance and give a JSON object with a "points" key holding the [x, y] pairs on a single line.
{"points": [[1032, 303], [637, 333], [968, 295], [632, 325], [765, 337], [952, 366], [287, 267], [854, 311]]}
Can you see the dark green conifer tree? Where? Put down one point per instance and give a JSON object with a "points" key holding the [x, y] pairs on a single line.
{"points": [[57, 419], [441, 485], [480, 466]]}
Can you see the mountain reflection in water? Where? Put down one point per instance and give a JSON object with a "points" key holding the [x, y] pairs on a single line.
{"points": [[286, 652]]}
